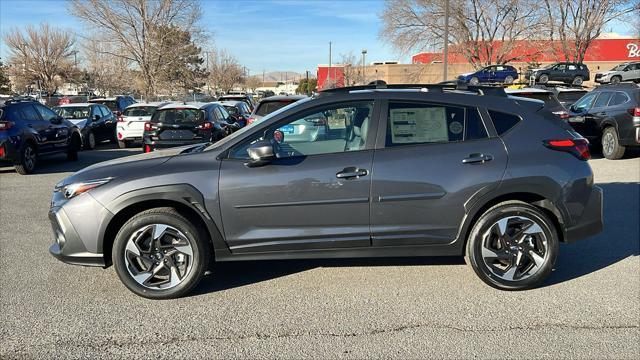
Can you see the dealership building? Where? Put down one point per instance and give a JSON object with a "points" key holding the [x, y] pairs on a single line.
{"points": [[427, 67]]}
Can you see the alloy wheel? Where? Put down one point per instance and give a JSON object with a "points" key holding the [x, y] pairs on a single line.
{"points": [[29, 158], [514, 248], [92, 141], [158, 256], [608, 143]]}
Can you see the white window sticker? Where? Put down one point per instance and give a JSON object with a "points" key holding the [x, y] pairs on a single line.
{"points": [[418, 125]]}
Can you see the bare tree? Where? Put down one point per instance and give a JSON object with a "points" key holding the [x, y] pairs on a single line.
{"points": [[253, 82], [42, 54], [107, 74], [574, 24], [225, 70], [475, 27], [139, 29], [351, 69]]}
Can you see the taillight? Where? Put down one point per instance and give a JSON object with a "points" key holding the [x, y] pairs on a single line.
{"points": [[149, 126], [576, 147], [634, 111], [562, 114], [146, 149], [5, 125], [120, 118], [1, 151], [205, 126], [250, 120]]}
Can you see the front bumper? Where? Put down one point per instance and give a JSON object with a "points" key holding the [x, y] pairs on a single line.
{"points": [[591, 222], [67, 246]]}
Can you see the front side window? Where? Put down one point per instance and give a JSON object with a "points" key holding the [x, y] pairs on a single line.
{"points": [[585, 102], [413, 123], [105, 110], [46, 113], [331, 129]]}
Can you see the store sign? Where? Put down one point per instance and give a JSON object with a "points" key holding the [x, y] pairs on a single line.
{"points": [[634, 51]]}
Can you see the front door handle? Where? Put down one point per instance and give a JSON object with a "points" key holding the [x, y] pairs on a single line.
{"points": [[477, 159], [352, 172]]}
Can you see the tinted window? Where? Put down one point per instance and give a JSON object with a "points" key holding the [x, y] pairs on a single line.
{"points": [[411, 123], [618, 98], [111, 104], [46, 113], [570, 96], [585, 102], [223, 112], [332, 129], [9, 113], [503, 122], [29, 113], [267, 107], [178, 116], [474, 127], [602, 100], [105, 110]]}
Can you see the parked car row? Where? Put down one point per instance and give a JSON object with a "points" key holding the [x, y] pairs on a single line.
{"points": [[565, 72]]}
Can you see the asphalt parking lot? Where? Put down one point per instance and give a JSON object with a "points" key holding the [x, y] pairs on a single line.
{"points": [[400, 308]]}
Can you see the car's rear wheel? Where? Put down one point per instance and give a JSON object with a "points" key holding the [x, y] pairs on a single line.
{"points": [[27, 161], [611, 148], [508, 79], [513, 246], [123, 144], [544, 78], [474, 81], [160, 254], [577, 80], [616, 80]]}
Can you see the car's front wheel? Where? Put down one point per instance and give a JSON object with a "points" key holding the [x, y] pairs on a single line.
{"points": [[513, 246], [508, 79], [616, 80], [27, 161], [544, 78], [160, 254], [474, 81]]}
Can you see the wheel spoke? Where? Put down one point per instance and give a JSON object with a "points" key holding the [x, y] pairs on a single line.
{"points": [[510, 273], [537, 259]]}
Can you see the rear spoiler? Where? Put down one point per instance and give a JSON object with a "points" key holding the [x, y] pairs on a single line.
{"points": [[530, 104]]}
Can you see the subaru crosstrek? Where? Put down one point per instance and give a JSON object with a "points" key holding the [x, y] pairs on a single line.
{"points": [[426, 170]]}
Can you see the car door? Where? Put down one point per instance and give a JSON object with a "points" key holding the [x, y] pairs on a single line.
{"points": [[314, 195], [499, 74], [39, 128], [618, 111], [430, 159], [598, 112], [110, 122], [57, 130]]}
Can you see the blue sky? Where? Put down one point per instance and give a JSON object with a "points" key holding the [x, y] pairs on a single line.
{"points": [[270, 35]]}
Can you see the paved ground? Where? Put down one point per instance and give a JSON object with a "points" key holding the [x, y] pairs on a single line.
{"points": [[400, 308]]}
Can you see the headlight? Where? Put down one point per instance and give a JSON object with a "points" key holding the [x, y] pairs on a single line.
{"points": [[78, 188]]}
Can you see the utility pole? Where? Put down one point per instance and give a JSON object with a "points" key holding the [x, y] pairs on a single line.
{"points": [[329, 70], [308, 88], [364, 78], [445, 60]]}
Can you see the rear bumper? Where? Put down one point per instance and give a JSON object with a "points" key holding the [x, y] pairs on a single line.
{"points": [[591, 222]]}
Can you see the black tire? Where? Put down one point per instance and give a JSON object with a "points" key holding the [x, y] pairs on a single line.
{"points": [[169, 216], [474, 250], [27, 160], [89, 142], [543, 79], [74, 147], [611, 148], [578, 80], [474, 81], [508, 80], [123, 144], [616, 80]]}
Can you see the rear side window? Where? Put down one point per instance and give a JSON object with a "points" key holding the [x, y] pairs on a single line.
{"points": [[10, 113], [267, 107], [46, 113], [412, 123], [503, 122]]}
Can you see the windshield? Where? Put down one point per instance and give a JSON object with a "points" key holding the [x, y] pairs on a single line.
{"points": [[570, 96], [178, 116], [248, 128], [619, 67], [140, 111], [267, 107], [73, 113]]}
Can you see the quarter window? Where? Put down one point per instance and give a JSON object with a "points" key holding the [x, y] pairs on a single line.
{"points": [[503, 122], [412, 123], [332, 129], [618, 98]]}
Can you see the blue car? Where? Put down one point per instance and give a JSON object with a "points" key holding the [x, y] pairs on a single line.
{"points": [[491, 74]]}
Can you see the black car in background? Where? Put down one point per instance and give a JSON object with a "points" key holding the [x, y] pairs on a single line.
{"points": [[246, 98], [178, 124], [270, 104], [239, 110], [116, 104], [29, 131], [551, 102], [566, 72], [96, 122], [567, 95], [609, 115]]}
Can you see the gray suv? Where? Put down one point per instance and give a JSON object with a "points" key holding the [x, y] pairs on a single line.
{"points": [[424, 170]]}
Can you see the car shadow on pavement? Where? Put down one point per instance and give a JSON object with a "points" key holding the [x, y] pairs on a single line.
{"points": [[619, 240]]}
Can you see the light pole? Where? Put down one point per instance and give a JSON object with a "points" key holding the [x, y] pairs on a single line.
{"points": [[329, 70], [445, 60], [364, 79]]}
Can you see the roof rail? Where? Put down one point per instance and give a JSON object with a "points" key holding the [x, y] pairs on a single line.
{"points": [[440, 87], [17, 99], [625, 84]]}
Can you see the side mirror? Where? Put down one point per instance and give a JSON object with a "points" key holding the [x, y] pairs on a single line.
{"points": [[261, 153], [96, 117], [57, 120]]}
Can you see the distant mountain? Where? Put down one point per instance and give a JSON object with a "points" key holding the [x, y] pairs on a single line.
{"points": [[284, 75]]}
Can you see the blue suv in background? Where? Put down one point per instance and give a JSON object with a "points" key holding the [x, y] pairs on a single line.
{"points": [[30, 130], [491, 74]]}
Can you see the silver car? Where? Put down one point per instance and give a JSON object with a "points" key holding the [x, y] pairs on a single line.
{"points": [[629, 71]]}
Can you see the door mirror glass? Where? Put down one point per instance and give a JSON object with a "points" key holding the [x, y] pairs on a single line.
{"points": [[96, 117], [261, 153]]}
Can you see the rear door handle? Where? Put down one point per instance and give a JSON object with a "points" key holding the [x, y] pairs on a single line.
{"points": [[351, 172], [477, 159]]}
